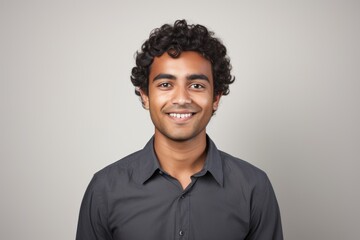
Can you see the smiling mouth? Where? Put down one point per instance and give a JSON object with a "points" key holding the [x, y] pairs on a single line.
{"points": [[180, 115]]}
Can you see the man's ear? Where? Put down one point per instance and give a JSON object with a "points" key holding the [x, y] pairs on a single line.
{"points": [[144, 98], [216, 102]]}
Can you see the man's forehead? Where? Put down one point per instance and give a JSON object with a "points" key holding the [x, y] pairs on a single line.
{"points": [[188, 61]]}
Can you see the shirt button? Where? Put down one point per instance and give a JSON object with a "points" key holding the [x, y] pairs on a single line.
{"points": [[182, 196], [161, 172], [181, 233]]}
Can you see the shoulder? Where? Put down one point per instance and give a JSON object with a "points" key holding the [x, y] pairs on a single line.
{"points": [[242, 171], [119, 172]]}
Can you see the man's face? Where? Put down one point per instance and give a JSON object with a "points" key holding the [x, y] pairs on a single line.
{"points": [[181, 95]]}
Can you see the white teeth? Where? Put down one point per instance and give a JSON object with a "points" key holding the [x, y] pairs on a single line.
{"points": [[180, 115]]}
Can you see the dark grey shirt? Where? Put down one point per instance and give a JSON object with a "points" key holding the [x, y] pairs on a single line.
{"points": [[134, 199]]}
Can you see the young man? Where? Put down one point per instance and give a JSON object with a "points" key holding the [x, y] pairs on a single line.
{"points": [[180, 186]]}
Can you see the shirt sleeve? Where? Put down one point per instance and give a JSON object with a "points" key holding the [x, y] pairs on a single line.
{"points": [[265, 222], [93, 216]]}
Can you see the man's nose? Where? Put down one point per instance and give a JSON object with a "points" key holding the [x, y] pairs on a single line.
{"points": [[181, 96]]}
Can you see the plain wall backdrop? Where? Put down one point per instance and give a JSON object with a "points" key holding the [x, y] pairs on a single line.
{"points": [[68, 107]]}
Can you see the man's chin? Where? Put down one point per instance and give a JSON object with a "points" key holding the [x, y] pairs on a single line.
{"points": [[181, 137]]}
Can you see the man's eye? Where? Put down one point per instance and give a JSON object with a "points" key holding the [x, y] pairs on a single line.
{"points": [[165, 85], [197, 86]]}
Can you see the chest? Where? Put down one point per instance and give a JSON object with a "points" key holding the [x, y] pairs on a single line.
{"points": [[161, 209]]}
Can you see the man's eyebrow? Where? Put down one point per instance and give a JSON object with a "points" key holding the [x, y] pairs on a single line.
{"points": [[164, 76], [198, 77], [189, 77]]}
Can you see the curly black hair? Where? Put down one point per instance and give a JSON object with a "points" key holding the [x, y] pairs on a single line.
{"points": [[176, 39]]}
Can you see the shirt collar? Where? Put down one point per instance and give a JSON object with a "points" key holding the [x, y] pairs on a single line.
{"points": [[150, 164], [213, 162]]}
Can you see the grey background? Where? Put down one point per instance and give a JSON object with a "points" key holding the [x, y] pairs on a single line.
{"points": [[68, 108]]}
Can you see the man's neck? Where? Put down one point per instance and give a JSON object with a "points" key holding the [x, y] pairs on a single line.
{"points": [[181, 159]]}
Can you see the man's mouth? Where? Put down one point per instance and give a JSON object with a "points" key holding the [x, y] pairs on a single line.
{"points": [[180, 115]]}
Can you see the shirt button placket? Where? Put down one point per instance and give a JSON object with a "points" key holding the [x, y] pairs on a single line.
{"points": [[183, 216]]}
